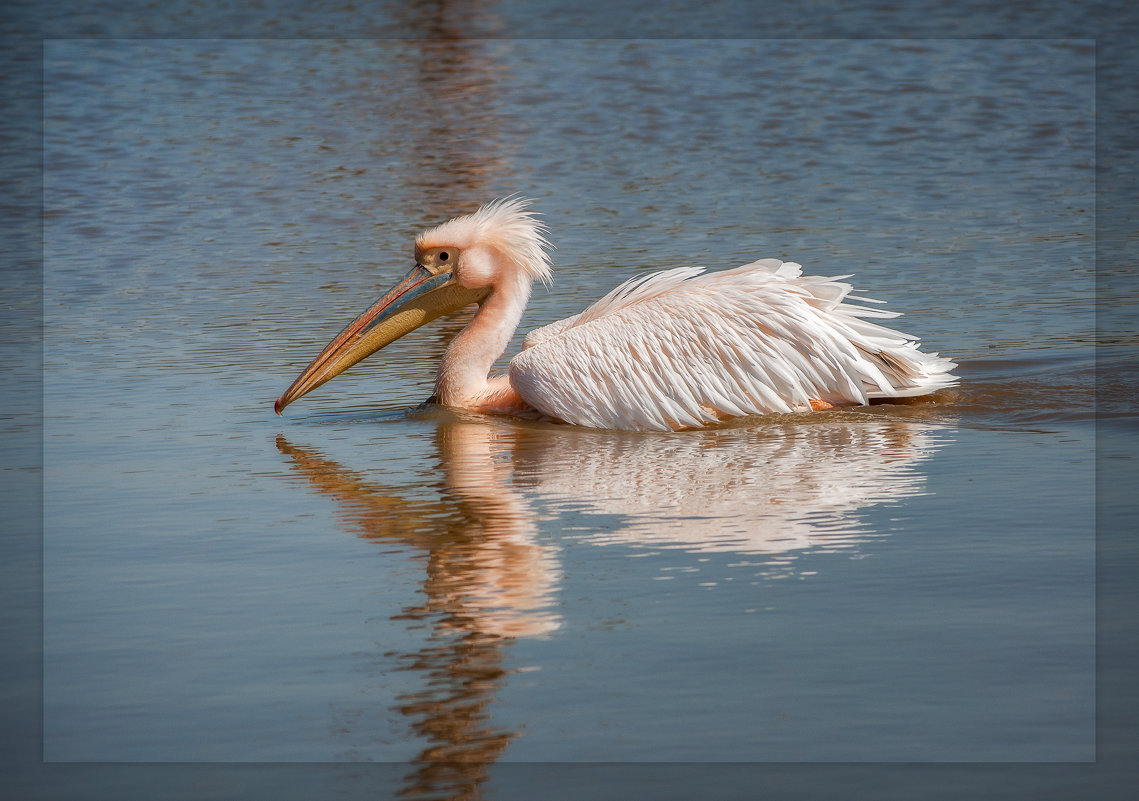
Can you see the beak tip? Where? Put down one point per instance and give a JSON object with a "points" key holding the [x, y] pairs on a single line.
{"points": [[278, 406]]}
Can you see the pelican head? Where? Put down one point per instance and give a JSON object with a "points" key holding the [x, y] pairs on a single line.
{"points": [[498, 250]]}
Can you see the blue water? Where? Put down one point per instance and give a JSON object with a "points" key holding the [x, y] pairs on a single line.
{"points": [[361, 581]]}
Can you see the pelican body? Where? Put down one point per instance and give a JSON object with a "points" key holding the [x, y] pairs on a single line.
{"points": [[671, 350]]}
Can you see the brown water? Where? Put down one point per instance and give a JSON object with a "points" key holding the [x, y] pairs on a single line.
{"points": [[370, 580]]}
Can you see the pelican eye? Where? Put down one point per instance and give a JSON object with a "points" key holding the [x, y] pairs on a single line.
{"points": [[444, 255]]}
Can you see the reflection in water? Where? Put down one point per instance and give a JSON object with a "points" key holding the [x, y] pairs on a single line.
{"points": [[768, 488], [761, 489], [457, 151], [487, 580]]}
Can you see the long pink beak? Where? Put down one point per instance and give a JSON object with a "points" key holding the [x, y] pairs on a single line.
{"points": [[419, 298]]}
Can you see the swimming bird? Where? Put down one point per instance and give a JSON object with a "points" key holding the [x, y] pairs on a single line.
{"points": [[676, 349]]}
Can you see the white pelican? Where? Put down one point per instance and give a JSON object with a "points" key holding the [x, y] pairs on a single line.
{"points": [[675, 349]]}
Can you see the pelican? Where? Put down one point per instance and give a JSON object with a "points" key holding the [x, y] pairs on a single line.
{"points": [[677, 349]]}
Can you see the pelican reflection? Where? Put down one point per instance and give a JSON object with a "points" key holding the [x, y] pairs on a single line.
{"points": [[509, 491], [758, 489]]}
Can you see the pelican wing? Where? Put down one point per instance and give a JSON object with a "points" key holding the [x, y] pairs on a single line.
{"points": [[546, 332], [683, 348]]}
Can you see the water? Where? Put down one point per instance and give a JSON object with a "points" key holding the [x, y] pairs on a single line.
{"points": [[364, 580]]}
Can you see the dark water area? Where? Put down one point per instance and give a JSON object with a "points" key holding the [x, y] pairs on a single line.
{"points": [[369, 579]]}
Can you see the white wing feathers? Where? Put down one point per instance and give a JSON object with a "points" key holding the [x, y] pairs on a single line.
{"points": [[684, 348]]}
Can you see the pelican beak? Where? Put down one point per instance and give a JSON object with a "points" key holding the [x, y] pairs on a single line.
{"points": [[419, 298]]}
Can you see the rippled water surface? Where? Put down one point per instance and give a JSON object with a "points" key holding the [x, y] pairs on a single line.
{"points": [[367, 579]]}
